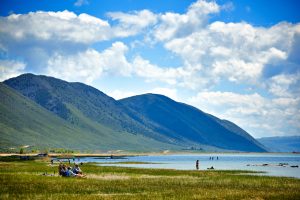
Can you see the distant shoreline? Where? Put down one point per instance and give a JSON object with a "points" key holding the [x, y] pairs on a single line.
{"points": [[134, 154]]}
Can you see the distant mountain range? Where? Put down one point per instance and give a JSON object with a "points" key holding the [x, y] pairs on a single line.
{"points": [[281, 144], [45, 111]]}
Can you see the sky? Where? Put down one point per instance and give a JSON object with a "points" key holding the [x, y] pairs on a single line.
{"points": [[238, 60]]}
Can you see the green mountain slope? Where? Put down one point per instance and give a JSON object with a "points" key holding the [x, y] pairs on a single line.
{"points": [[59, 96], [23, 122], [186, 123], [142, 122]]}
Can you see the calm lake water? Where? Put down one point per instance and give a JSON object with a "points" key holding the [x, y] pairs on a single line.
{"points": [[237, 161]]}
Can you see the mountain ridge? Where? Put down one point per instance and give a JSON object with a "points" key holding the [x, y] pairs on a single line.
{"points": [[24, 122], [91, 110], [194, 123]]}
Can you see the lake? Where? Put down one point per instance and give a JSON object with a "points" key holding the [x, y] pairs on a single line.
{"points": [[272, 164]]}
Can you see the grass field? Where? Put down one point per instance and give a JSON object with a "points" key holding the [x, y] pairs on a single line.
{"points": [[24, 180]]}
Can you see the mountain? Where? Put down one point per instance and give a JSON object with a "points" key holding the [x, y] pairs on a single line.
{"points": [[183, 122], [281, 144], [75, 101], [24, 122], [145, 122]]}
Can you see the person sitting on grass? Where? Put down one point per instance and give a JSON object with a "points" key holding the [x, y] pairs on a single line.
{"points": [[65, 171], [77, 169], [70, 173], [62, 170]]}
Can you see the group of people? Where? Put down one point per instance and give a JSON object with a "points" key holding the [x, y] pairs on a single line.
{"points": [[210, 158], [68, 171]]}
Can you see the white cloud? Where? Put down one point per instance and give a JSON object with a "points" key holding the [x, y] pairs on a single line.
{"points": [[41, 37], [55, 26], [114, 60], [280, 85], [10, 68], [258, 115], [82, 67], [237, 52], [143, 68], [186, 77], [79, 3], [237, 70], [65, 26], [133, 23], [174, 25], [89, 65]]}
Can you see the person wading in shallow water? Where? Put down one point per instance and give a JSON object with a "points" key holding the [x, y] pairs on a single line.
{"points": [[197, 164]]}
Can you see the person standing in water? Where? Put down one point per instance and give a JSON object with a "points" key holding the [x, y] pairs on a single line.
{"points": [[197, 164]]}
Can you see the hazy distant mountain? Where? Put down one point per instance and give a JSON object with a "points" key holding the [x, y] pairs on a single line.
{"points": [[281, 144], [145, 122], [183, 122]]}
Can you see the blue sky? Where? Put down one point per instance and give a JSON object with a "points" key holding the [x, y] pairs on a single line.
{"points": [[238, 60]]}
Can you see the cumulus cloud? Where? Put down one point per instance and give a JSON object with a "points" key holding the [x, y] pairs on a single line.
{"points": [[54, 26], [237, 52], [259, 115], [36, 37], [184, 76], [143, 68], [173, 25], [89, 65], [10, 68], [282, 85], [82, 67], [45, 38], [66, 26], [132, 23]]}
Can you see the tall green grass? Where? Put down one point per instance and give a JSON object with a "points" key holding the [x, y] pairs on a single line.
{"points": [[24, 180]]}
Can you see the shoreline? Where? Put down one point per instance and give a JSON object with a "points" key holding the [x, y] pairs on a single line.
{"points": [[130, 154]]}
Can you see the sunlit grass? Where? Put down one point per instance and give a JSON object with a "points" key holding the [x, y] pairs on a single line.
{"points": [[24, 180]]}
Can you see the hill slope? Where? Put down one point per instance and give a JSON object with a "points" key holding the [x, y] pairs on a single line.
{"points": [[281, 144], [23, 122], [72, 101], [141, 122], [183, 122]]}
